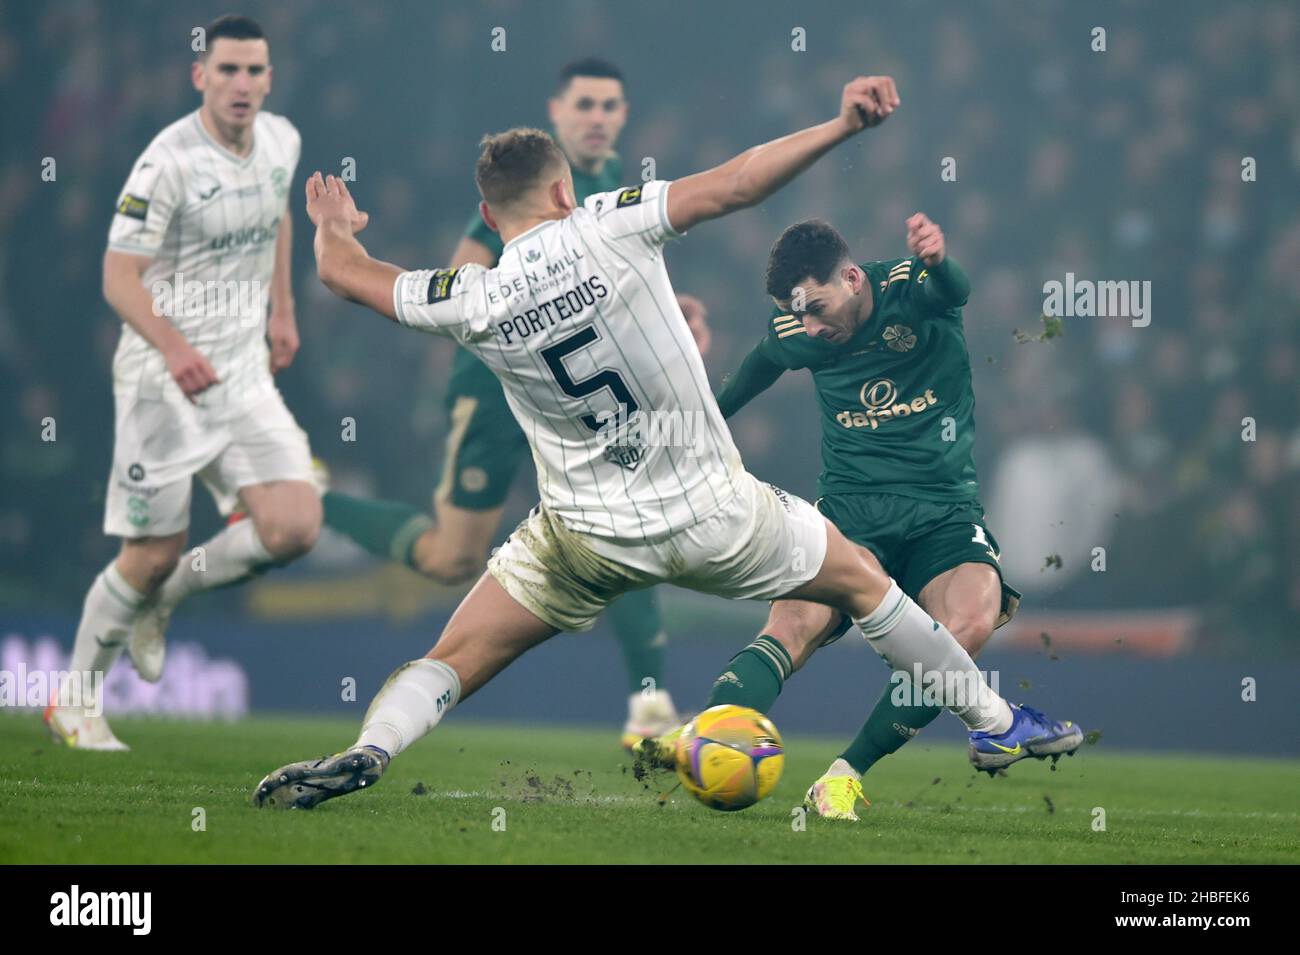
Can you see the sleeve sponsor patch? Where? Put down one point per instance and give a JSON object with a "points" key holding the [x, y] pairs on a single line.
{"points": [[628, 197], [133, 207], [440, 283]]}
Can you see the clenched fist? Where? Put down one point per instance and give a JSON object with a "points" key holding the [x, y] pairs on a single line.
{"points": [[282, 333], [190, 370], [867, 101], [925, 239]]}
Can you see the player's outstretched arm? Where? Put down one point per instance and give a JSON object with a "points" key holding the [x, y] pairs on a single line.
{"points": [[342, 263], [755, 375], [758, 172], [948, 286]]}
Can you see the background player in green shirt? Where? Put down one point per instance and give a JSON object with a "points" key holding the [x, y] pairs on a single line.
{"points": [[485, 447], [885, 346]]}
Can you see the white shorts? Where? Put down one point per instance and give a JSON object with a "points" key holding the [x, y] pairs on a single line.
{"points": [[160, 446], [760, 545]]}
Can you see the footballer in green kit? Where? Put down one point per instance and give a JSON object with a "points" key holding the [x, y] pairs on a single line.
{"points": [[885, 346], [485, 447]]}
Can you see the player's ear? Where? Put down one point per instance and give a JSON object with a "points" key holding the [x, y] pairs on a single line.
{"points": [[853, 277], [561, 197], [196, 75], [486, 213]]}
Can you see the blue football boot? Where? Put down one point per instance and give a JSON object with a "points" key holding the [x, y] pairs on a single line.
{"points": [[1031, 734]]}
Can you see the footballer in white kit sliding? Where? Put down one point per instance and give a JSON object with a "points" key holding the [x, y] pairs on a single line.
{"points": [[198, 252], [580, 323]]}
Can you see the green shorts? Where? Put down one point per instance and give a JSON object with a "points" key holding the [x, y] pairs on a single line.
{"points": [[916, 541], [485, 445]]}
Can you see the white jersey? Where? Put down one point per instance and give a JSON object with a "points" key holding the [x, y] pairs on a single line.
{"points": [[580, 323], [208, 219]]}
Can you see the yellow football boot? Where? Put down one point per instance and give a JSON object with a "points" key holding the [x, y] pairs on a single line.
{"points": [[835, 797], [656, 752]]}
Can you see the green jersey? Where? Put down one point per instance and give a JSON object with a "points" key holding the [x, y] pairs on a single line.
{"points": [[898, 410], [470, 373]]}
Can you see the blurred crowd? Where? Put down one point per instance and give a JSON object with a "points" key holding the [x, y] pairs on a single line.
{"points": [[1174, 447]]}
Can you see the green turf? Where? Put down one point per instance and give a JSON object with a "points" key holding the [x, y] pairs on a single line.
{"points": [[567, 797]]}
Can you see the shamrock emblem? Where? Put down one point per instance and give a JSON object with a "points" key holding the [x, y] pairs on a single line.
{"points": [[899, 338]]}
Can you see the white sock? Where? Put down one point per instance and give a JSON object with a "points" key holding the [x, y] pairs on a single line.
{"points": [[231, 555], [411, 703], [906, 636], [841, 768], [106, 618]]}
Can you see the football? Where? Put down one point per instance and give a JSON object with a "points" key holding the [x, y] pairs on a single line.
{"points": [[730, 757]]}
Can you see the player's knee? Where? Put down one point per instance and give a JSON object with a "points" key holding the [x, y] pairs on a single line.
{"points": [[287, 539], [868, 583], [447, 568], [971, 630], [153, 563], [159, 567]]}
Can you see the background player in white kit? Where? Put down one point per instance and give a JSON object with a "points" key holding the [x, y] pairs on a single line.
{"points": [[199, 246], [579, 321]]}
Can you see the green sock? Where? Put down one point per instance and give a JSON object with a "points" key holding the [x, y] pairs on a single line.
{"points": [[635, 618], [387, 529], [754, 676], [886, 730]]}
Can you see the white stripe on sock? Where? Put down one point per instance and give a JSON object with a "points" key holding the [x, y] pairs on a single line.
{"points": [[121, 590], [777, 662]]}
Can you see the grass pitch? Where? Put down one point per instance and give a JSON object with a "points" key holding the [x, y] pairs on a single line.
{"points": [[568, 795]]}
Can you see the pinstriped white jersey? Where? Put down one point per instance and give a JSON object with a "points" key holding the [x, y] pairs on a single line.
{"points": [[580, 323], [208, 219]]}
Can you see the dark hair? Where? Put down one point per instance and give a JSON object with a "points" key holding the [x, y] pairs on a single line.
{"points": [[511, 163], [590, 66], [232, 26], [806, 250]]}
